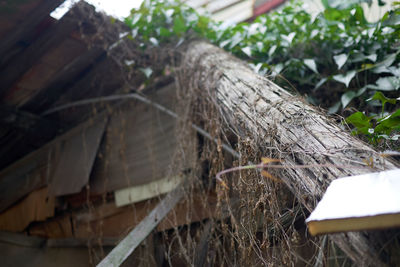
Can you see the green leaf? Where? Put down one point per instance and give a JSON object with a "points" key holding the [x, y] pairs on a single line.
{"points": [[340, 60], [154, 41], [147, 71], [388, 124], [247, 51], [334, 108], [325, 3], [390, 83], [237, 38], [361, 122], [168, 14], [389, 59], [372, 57], [202, 24], [392, 138], [394, 19], [347, 97], [135, 18], [311, 64], [338, 43], [165, 32], [395, 114], [380, 69], [346, 78], [332, 14], [272, 50], [381, 97], [321, 82], [277, 68], [359, 119], [288, 38], [179, 25]]}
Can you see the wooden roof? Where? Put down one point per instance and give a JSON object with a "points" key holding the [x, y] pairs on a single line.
{"points": [[46, 63], [47, 155]]}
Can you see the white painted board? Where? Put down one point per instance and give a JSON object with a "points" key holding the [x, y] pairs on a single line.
{"points": [[146, 191], [358, 196]]}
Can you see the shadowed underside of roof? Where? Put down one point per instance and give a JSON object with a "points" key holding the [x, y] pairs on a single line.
{"points": [[45, 63]]}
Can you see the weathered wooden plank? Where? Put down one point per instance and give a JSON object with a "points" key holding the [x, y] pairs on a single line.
{"points": [[138, 193], [60, 82], [37, 206], [28, 122], [26, 26], [24, 60], [117, 256], [79, 151], [38, 242], [75, 242], [95, 81], [43, 71], [14, 255], [37, 169], [111, 221], [58, 227], [24, 177], [21, 239], [139, 149], [195, 207]]}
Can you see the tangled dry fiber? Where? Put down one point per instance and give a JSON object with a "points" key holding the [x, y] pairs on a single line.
{"points": [[256, 221]]}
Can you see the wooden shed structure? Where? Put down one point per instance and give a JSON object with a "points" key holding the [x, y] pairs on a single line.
{"points": [[83, 176], [89, 147]]}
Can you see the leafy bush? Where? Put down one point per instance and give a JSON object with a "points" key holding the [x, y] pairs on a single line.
{"points": [[377, 126], [336, 58]]}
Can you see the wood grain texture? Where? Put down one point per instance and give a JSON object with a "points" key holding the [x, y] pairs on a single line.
{"points": [[37, 206], [25, 60], [119, 254], [297, 132], [76, 160], [37, 169], [140, 146], [24, 26]]}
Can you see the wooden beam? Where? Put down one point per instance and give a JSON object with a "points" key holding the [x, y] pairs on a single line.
{"points": [[125, 248], [80, 151], [28, 123], [144, 156], [76, 242], [35, 207], [26, 27], [37, 169], [24, 61], [64, 79], [95, 81], [38, 242], [25, 133], [141, 192], [21, 239]]}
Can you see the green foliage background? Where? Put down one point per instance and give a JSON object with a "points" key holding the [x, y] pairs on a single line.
{"points": [[337, 59]]}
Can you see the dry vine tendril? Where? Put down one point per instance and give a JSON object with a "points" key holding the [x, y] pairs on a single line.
{"points": [[266, 163]]}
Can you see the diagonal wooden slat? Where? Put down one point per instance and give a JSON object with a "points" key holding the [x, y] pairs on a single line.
{"points": [[125, 248]]}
